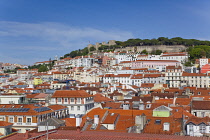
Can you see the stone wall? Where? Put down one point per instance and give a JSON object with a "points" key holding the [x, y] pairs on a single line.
{"points": [[97, 45], [174, 48]]}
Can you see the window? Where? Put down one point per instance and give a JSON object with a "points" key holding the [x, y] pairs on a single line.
{"points": [[59, 99], [148, 106], [202, 128], [166, 126], [78, 100], [199, 93], [65, 99], [52, 100], [190, 127], [28, 120], [20, 120], [157, 121], [72, 99], [11, 102], [202, 114], [72, 107], [11, 119], [78, 107], [1, 118]]}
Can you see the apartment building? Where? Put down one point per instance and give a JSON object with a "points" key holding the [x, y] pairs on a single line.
{"points": [[203, 61], [179, 56], [82, 61], [173, 76], [114, 78], [154, 64], [28, 116], [194, 80], [61, 75], [124, 56], [154, 78], [12, 99], [78, 101]]}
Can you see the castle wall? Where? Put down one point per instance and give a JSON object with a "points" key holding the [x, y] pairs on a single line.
{"points": [[174, 48]]}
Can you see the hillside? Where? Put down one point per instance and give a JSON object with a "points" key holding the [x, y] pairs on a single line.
{"points": [[196, 48]]}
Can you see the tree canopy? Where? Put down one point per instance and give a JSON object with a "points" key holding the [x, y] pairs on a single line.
{"points": [[196, 48]]}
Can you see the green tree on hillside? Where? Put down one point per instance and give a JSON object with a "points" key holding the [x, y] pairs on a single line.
{"points": [[43, 68], [92, 48], [144, 52]]}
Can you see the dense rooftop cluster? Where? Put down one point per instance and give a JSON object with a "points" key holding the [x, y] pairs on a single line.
{"points": [[111, 95]]}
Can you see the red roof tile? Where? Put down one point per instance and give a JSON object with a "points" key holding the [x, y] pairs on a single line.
{"points": [[71, 94]]}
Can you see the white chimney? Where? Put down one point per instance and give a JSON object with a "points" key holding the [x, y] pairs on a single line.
{"points": [[96, 119], [125, 106], [78, 120], [141, 106], [174, 100]]}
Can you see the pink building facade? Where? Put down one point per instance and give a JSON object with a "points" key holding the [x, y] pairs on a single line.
{"points": [[154, 64]]}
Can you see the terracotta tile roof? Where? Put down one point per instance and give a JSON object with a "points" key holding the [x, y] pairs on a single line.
{"points": [[100, 98], [137, 76], [181, 111], [191, 88], [153, 75], [3, 123], [193, 74], [96, 111], [201, 105], [138, 98], [71, 93], [163, 95], [101, 135], [70, 121], [115, 93], [135, 87], [170, 101], [182, 101], [155, 127], [197, 120], [147, 85], [110, 118], [112, 105], [124, 122], [57, 107]]}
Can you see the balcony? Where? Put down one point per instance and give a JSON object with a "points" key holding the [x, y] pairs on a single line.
{"points": [[24, 124], [28, 123], [19, 123]]}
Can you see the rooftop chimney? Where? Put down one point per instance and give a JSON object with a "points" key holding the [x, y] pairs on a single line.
{"points": [[26, 134], [78, 129], [96, 119]]}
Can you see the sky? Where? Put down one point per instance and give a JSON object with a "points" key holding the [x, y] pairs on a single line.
{"points": [[37, 30]]}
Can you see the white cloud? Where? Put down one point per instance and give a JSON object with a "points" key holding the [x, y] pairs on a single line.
{"points": [[63, 34], [42, 38]]}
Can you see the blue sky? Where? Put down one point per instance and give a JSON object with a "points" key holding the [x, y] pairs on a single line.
{"points": [[36, 30]]}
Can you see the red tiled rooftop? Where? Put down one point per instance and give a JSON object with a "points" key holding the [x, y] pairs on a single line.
{"points": [[71, 93]]}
